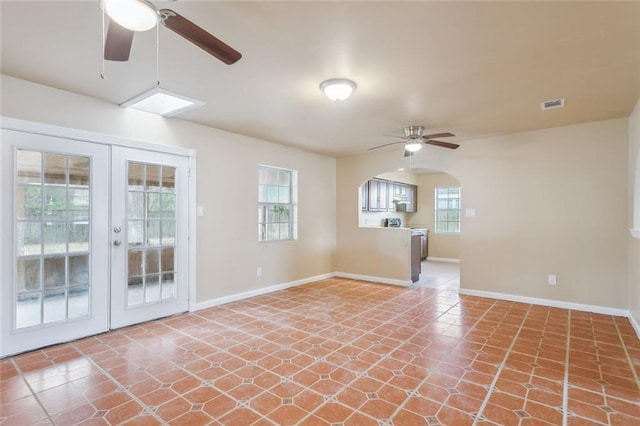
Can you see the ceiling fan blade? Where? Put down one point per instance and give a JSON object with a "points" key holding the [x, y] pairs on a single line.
{"points": [[386, 144], [118, 44], [198, 36], [442, 144], [408, 153], [439, 135]]}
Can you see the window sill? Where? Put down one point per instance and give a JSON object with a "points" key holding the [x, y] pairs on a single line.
{"points": [[635, 233]]}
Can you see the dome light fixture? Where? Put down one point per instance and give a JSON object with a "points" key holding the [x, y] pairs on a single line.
{"points": [[413, 145], [338, 89], [134, 15]]}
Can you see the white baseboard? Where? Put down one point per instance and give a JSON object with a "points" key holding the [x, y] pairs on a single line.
{"points": [[391, 281], [634, 324], [443, 259], [548, 302], [258, 292]]}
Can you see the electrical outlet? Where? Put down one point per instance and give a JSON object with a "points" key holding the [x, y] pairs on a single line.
{"points": [[551, 279], [259, 272]]}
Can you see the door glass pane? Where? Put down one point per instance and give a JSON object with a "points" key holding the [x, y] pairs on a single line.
{"points": [[55, 237], [78, 302], [153, 178], [28, 309], [55, 202], [28, 167], [136, 176], [28, 238], [78, 236], [28, 202], [54, 272], [151, 221], [55, 170], [136, 207], [78, 171], [152, 288], [55, 305], [53, 221], [78, 203], [79, 270], [28, 275]]}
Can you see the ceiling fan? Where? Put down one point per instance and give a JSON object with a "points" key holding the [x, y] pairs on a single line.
{"points": [[413, 140], [129, 16]]}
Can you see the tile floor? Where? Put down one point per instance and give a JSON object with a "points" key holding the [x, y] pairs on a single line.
{"points": [[339, 352]]}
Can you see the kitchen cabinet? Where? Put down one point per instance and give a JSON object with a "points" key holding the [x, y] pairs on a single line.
{"points": [[412, 199], [364, 196], [378, 195]]}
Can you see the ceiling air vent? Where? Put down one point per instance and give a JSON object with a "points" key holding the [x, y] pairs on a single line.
{"points": [[554, 103]]}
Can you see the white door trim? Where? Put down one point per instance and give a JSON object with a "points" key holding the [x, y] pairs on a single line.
{"points": [[86, 136]]}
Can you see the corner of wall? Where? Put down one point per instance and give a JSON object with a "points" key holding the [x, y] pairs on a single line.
{"points": [[634, 239]]}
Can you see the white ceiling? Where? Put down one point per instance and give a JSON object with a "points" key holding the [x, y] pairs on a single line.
{"points": [[472, 68]]}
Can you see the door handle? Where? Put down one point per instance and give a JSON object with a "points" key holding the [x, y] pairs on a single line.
{"points": [[117, 243]]}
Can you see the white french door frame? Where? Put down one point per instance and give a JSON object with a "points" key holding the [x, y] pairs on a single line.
{"points": [[6, 187]]}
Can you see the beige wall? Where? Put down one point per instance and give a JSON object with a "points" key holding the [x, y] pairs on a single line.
{"points": [[227, 249], [553, 201], [634, 192], [440, 245]]}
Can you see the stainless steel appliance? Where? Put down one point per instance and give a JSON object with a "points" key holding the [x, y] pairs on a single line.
{"points": [[424, 241]]}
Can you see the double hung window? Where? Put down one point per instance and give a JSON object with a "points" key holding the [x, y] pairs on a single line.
{"points": [[276, 204]]}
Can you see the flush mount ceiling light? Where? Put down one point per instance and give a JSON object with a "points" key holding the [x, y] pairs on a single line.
{"points": [[134, 15], [338, 89], [414, 145], [162, 102]]}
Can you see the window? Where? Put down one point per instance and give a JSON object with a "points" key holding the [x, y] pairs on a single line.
{"points": [[448, 210], [276, 204]]}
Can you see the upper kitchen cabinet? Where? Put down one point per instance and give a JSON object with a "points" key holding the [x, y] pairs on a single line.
{"points": [[364, 196], [405, 197], [378, 195], [412, 199]]}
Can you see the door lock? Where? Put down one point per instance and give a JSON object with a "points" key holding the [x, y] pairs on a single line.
{"points": [[117, 229], [117, 243]]}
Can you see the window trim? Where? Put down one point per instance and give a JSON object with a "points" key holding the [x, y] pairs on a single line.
{"points": [[436, 210]]}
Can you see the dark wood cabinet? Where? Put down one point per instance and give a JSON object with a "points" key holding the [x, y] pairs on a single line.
{"points": [[379, 195], [364, 196]]}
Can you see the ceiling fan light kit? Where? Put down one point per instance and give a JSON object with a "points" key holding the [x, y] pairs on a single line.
{"points": [[414, 145], [338, 89], [134, 15], [413, 139]]}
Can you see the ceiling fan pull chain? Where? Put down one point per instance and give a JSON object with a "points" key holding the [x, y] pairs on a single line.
{"points": [[104, 40], [158, 55]]}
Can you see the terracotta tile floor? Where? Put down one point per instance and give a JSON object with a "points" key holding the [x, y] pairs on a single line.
{"points": [[339, 352]]}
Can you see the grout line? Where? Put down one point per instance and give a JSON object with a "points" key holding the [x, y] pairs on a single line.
{"points": [[565, 386], [45, 411], [423, 381], [500, 368], [624, 347], [120, 387]]}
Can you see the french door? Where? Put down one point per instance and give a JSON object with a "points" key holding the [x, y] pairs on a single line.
{"points": [[149, 235], [94, 237]]}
